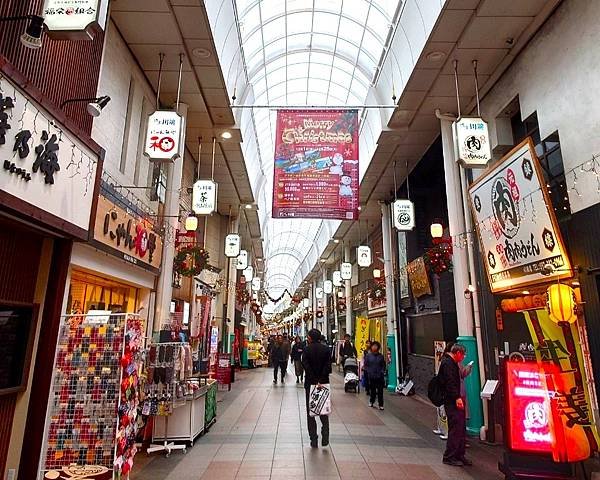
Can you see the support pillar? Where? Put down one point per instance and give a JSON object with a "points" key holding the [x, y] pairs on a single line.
{"points": [[327, 330], [348, 287], [313, 292], [460, 272], [164, 287], [229, 320], [390, 304]]}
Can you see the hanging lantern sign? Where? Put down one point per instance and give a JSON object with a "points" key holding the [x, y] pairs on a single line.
{"points": [[74, 19], [242, 260], [306, 302], [363, 255], [232, 245], [403, 212], [256, 284], [163, 136], [337, 278], [204, 197], [327, 287], [248, 273], [562, 306], [472, 142], [319, 292], [346, 271]]}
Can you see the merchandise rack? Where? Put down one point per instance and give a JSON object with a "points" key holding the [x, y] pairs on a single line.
{"points": [[85, 402]]}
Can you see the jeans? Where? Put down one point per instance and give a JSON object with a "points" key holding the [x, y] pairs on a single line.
{"points": [[312, 422], [279, 365], [376, 389], [457, 434]]}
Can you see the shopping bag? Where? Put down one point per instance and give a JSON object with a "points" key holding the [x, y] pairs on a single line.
{"points": [[319, 400]]}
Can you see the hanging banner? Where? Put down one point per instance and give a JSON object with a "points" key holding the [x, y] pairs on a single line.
{"points": [[346, 271], [363, 256], [256, 284], [316, 164], [248, 273], [319, 292], [472, 142], [232, 245], [241, 262], [327, 287], [336, 278], [74, 19], [204, 197], [558, 348], [362, 335], [163, 136], [418, 278], [516, 223], [403, 213]]}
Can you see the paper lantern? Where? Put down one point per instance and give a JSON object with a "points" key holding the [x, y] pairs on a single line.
{"points": [[191, 223], [561, 304], [437, 230]]}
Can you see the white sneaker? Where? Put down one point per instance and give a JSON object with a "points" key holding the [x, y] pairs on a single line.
{"points": [[371, 405], [443, 437], [437, 432], [380, 408]]}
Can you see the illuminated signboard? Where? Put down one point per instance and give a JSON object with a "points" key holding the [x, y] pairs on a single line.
{"points": [[529, 413]]}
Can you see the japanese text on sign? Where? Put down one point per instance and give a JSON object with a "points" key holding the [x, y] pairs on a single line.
{"points": [[163, 135]]}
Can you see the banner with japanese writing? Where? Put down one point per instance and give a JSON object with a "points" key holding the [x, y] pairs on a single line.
{"points": [[558, 346], [362, 335], [515, 219], [316, 164]]}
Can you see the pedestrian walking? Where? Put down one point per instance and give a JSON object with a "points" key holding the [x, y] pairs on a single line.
{"points": [[348, 349], [375, 368], [449, 379], [317, 367], [365, 378], [296, 357], [287, 349], [278, 359]]}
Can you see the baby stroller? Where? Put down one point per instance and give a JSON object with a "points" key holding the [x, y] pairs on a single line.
{"points": [[351, 379]]}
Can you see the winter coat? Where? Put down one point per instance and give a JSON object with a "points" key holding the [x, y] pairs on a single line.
{"points": [[316, 362], [449, 378], [375, 366], [297, 350], [348, 350]]}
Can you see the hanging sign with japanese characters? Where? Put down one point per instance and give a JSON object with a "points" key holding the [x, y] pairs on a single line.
{"points": [[327, 287], [232, 245], [256, 284], [204, 197], [363, 256], [163, 136], [346, 271], [472, 142], [403, 212], [516, 223], [46, 171], [241, 261], [336, 278], [316, 164], [74, 19], [122, 233]]}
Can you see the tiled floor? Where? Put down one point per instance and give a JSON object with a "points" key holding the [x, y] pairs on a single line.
{"points": [[261, 433]]}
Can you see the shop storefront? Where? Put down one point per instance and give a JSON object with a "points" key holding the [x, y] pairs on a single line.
{"points": [[46, 203]]}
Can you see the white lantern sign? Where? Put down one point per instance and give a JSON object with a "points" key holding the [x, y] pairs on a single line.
{"points": [[327, 287], [232, 245], [403, 212], [472, 142], [363, 255], [248, 273], [242, 260], [204, 197], [337, 278], [319, 292], [256, 284], [346, 271], [163, 136], [74, 19]]}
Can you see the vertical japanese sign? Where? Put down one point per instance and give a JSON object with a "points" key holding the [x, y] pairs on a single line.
{"points": [[472, 142], [163, 136], [516, 223], [558, 349], [362, 335], [316, 164], [204, 197]]}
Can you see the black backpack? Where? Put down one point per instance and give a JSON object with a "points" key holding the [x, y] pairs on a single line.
{"points": [[435, 392]]}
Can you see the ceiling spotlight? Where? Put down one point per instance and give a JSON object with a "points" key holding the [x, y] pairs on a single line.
{"points": [[226, 135], [323, 260], [435, 56], [32, 38], [336, 240], [201, 52], [248, 206], [95, 108], [525, 292]]}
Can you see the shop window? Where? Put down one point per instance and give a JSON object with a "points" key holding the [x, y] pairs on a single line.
{"points": [[91, 292], [423, 331], [17, 327], [550, 156], [159, 184]]}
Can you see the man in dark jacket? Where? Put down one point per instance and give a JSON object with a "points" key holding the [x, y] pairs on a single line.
{"points": [[278, 358], [449, 378], [348, 350], [296, 357], [317, 367]]}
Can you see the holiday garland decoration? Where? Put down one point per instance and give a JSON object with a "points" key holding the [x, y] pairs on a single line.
{"points": [[377, 291], [190, 261], [242, 295], [438, 259], [275, 300]]}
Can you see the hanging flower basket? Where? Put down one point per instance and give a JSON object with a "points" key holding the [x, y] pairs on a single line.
{"points": [[377, 292], [438, 259], [190, 261]]}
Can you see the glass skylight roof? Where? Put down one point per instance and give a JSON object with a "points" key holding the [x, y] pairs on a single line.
{"points": [[298, 53]]}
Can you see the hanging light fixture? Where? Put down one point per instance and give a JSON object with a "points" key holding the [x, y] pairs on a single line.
{"points": [[561, 304], [376, 273], [437, 230], [191, 223]]}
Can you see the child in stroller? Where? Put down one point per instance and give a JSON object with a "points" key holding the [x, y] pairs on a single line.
{"points": [[351, 378]]}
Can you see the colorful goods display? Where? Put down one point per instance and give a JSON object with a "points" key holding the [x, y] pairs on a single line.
{"points": [[94, 395]]}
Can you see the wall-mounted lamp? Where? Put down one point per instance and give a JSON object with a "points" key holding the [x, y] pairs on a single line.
{"points": [[469, 291], [191, 223], [437, 230], [32, 38], [95, 105]]}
